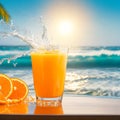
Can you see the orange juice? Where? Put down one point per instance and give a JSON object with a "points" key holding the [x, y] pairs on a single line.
{"points": [[49, 69]]}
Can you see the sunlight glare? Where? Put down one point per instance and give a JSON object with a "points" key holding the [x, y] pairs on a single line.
{"points": [[65, 27], [68, 24]]}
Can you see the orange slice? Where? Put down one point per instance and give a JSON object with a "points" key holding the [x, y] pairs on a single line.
{"points": [[6, 86], [3, 109], [20, 90], [2, 99]]}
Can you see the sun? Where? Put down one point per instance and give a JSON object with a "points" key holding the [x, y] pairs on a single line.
{"points": [[68, 24], [65, 27]]}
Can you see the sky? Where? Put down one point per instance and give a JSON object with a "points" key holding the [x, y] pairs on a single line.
{"points": [[73, 22]]}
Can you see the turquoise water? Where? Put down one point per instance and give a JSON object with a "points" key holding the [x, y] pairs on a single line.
{"points": [[90, 70]]}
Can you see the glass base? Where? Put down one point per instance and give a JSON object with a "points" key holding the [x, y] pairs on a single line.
{"points": [[48, 101]]}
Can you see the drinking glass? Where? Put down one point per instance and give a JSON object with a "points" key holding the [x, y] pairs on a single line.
{"points": [[49, 71]]}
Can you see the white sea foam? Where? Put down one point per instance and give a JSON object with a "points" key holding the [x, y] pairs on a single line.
{"points": [[94, 52], [8, 52]]}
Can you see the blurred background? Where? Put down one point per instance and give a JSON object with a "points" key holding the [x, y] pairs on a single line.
{"points": [[90, 28], [76, 22]]}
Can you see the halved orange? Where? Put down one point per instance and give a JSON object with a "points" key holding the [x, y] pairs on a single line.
{"points": [[6, 86], [3, 109], [2, 99], [20, 90]]}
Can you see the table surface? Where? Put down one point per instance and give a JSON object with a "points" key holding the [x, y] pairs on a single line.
{"points": [[72, 107]]}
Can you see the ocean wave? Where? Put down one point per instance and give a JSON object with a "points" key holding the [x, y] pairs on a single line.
{"points": [[16, 52], [98, 92], [85, 53], [102, 60], [77, 58], [20, 62], [73, 61], [100, 82]]}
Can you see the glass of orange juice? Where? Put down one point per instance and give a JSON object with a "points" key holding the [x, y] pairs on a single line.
{"points": [[49, 71]]}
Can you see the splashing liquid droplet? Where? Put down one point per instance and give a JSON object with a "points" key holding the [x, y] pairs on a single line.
{"points": [[9, 30]]}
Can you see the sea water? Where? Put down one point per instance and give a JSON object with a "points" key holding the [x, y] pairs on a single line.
{"points": [[90, 70]]}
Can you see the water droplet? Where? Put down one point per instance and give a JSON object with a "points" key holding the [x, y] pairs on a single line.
{"points": [[10, 30]]}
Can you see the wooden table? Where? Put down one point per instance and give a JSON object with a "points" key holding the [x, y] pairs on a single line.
{"points": [[74, 107]]}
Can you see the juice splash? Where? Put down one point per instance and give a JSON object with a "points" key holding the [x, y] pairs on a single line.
{"points": [[34, 41]]}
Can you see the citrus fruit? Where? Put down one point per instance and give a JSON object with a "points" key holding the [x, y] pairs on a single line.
{"points": [[6, 86], [20, 90], [4, 109], [2, 99]]}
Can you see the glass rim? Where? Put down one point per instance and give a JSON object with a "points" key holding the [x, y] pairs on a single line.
{"points": [[50, 48]]}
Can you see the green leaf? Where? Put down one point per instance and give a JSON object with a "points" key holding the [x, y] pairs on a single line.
{"points": [[4, 14]]}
